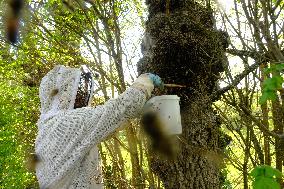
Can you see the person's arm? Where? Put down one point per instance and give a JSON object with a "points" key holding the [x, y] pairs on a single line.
{"points": [[116, 112]]}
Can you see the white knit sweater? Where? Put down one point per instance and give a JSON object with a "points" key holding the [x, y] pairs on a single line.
{"points": [[67, 137]]}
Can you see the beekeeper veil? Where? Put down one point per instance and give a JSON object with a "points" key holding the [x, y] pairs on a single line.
{"points": [[64, 88]]}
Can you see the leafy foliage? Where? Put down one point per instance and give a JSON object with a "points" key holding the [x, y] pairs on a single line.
{"points": [[16, 135], [271, 85], [265, 177]]}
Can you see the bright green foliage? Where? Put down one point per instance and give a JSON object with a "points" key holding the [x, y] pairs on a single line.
{"points": [[16, 134], [275, 68], [271, 85], [265, 177], [50, 34]]}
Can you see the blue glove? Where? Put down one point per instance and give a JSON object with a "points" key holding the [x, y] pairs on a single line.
{"points": [[157, 81]]}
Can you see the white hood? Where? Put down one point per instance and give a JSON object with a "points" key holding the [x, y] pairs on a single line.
{"points": [[63, 79]]}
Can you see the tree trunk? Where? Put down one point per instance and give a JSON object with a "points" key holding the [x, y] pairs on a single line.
{"points": [[181, 46]]}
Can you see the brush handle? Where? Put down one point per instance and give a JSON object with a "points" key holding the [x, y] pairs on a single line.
{"points": [[174, 86]]}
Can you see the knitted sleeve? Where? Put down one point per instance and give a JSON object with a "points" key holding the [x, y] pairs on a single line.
{"points": [[113, 114], [64, 140]]}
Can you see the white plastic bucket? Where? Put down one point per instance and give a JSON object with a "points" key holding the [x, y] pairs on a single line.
{"points": [[167, 107]]}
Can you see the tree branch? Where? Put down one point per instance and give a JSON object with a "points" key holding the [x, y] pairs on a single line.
{"points": [[245, 53], [236, 80]]}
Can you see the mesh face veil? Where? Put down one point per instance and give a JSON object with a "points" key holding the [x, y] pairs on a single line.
{"points": [[85, 88], [64, 88]]}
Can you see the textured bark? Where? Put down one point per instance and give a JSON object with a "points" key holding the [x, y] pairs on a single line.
{"points": [[181, 46], [278, 127]]}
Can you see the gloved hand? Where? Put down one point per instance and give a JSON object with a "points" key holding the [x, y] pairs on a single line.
{"points": [[157, 81], [147, 82]]}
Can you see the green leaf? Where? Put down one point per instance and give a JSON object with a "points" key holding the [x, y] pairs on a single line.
{"points": [[270, 87], [273, 83], [276, 67], [265, 183], [279, 67], [264, 177], [267, 95]]}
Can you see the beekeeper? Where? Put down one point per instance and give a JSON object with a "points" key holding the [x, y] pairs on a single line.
{"points": [[69, 130]]}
